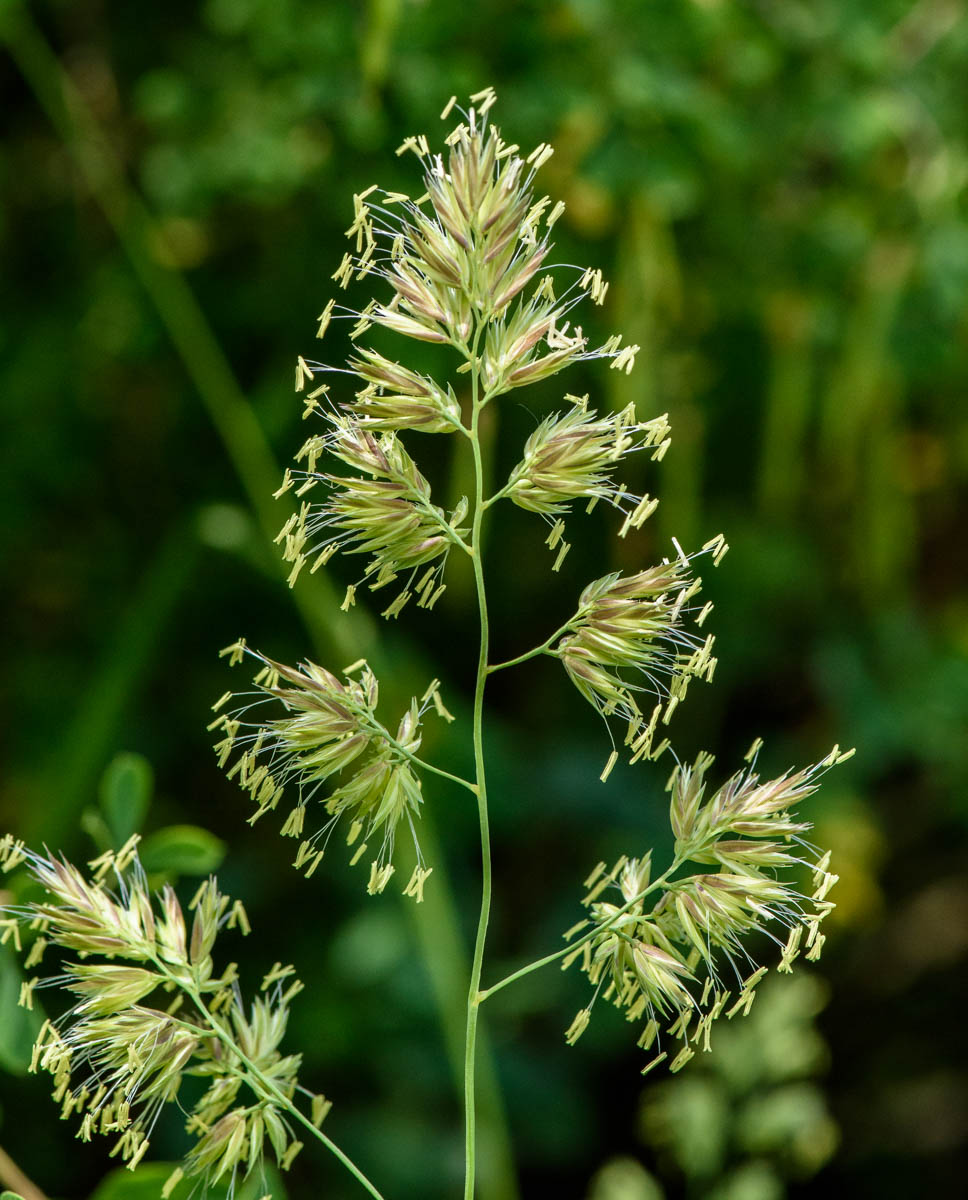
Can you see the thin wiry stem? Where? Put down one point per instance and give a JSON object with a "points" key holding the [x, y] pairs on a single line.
{"points": [[473, 998], [426, 766], [497, 496], [421, 762], [598, 929], [542, 649]]}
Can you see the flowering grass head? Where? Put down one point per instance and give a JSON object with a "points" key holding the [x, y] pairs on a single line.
{"points": [[467, 265]]}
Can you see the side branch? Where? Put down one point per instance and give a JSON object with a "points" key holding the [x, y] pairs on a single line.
{"points": [[384, 733], [595, 932], [542, 649]]}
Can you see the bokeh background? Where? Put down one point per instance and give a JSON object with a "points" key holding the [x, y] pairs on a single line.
{"points": [[777, 192]]}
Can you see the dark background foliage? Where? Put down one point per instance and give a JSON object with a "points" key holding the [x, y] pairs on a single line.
{"points": [[777, 192]]}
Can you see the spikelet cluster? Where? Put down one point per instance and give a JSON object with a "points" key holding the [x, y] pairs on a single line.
{"points": [[629, 636], [464, 265], [458, 261], [657, 952], [572, 456], [383, 511], [328, 743], [148, 1009]]}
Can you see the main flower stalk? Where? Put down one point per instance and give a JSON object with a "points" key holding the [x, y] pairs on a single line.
{"points": [[473, 994]]}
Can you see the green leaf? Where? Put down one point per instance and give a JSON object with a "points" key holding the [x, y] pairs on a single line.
{"points": [[18, 1026], [146, 1183], [182, 850], [10, 1196], [125, 794]]}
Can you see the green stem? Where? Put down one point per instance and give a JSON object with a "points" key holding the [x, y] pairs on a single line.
{"points": [[426, 766], [384, 733], [260, 1082], [588, 937], [448, 530], [542, 649], [473, 998], [497, 496]]}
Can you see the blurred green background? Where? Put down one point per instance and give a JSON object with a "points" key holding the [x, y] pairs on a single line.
{"points": [[777, 191]]}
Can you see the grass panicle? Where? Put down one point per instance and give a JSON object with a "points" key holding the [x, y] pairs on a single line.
{"points": [[467, 264]]}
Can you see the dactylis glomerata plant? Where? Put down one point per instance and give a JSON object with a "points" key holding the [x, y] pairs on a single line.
{"points": [[464, 266]]}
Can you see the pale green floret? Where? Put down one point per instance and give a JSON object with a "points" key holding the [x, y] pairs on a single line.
{"points": [[398, 398], [566, 458], [105, 988], [742, 806], [386, 513]]}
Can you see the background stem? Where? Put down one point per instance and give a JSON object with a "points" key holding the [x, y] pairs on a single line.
{"points": [[13, 1178]]}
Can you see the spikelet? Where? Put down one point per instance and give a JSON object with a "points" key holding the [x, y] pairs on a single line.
{"points": [[628, 637], [384, 511], [572, 457]]}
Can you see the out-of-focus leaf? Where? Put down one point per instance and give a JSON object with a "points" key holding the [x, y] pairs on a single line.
{"points": [[125, 794], [689, 1117], [790, 1122], [751, 1181], [18, 1026], [624, 1179], [182, 850]]}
